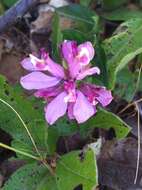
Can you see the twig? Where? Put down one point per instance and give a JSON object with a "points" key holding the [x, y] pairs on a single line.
{"points": [[139, 146], [129, 105], [18, 10]]}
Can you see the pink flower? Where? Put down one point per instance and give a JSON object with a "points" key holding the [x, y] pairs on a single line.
{"points": [[63, 88]]}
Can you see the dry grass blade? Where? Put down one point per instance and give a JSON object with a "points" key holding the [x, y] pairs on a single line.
{"points": [[139, 145]]}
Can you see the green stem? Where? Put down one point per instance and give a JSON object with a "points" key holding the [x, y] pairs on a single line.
{"points": [[33, 142], [19, 151]]}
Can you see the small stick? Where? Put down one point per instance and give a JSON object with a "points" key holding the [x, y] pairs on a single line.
{"points": [[16, 11], [129, 105], [139, 146]]}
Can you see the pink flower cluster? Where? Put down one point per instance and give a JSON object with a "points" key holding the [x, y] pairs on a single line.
{"points": [[63, 87]]}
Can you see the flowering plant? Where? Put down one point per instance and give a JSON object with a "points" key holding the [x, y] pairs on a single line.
{"points": [[63, 87], [70, 93]]}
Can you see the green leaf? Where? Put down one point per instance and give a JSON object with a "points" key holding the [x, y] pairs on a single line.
{"points": [[100, 61], [106, 120], [122, 14], [32, 117], [122, 47], [85, 2], [112, 4], [47, 183], [22, 146], [72, 34], [1, 8], [26, 178], [71, 171], [65, 127], [53, 136], [9, 3], [140, 82], [77, 12], [39, 133], [126, 84], [88, 19], [56, 36]]}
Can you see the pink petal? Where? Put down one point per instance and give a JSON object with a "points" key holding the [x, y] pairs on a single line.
{"points": [[27, 64], [88, 72], [38, 80], [32, 63], [104, 96], [74, 68], [98, 93], [82, 110], [49, 92], [85, 53], [56, 108], [44, 64], [69, 50], [54, 68], [70, 110]]}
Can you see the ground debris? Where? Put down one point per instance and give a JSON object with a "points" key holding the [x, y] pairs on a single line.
{"points": [[117, 165]]}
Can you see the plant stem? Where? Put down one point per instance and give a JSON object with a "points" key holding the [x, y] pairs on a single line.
{"points": [[32, 140], [19, 151], [139, 146]]}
